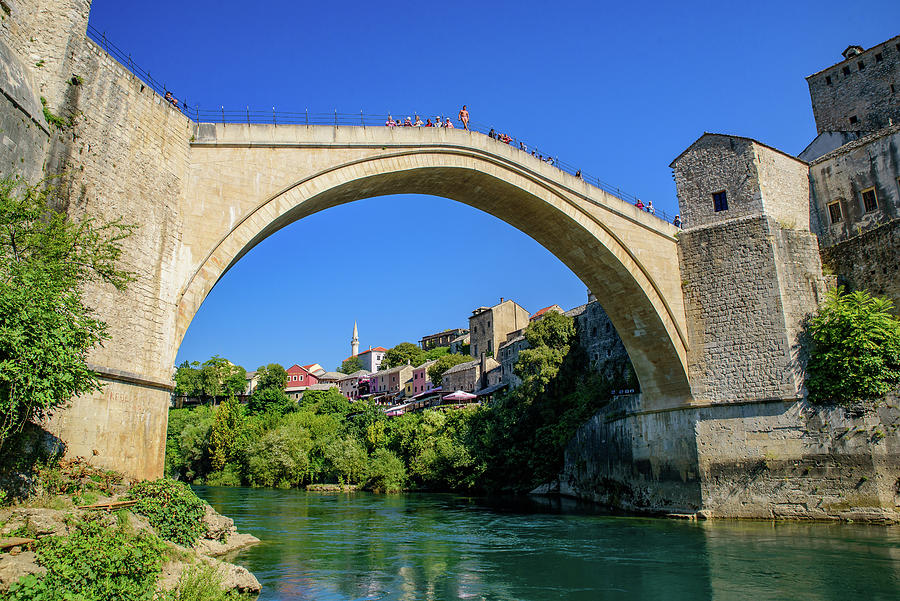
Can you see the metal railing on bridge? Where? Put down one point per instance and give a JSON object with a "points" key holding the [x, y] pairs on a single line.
{"points": [[361, 119]]}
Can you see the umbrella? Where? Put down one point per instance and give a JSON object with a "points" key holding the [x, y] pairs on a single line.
{"points": [[459, 395]]}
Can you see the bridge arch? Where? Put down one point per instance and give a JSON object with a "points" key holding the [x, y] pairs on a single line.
{"points": [[250, 181]]}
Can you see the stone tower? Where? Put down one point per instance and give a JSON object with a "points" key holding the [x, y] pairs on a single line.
{"points": [[354, 343]]}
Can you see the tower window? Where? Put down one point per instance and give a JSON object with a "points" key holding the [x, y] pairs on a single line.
{"points": [[846, 70], [892, 89], [879, 57], [861, 65], [834, 211], [853, 120], [870, 200], [828, 79], [720, 201]]}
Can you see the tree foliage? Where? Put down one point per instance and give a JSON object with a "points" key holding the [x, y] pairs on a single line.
{"points": [[272, 375], [435, 353], [405, 353], [46, 329], [270, 400], [327, 401], [215, 378], [436, 371], [229, 417], [351, 365], [855, 349]]}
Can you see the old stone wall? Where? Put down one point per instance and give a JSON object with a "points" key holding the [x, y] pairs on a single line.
{"points": [[841, 176], [739, 348], [716, 163], [784, 187], [861, 93], [124, 155], [751, 460], [870, 261], [24, 133]]}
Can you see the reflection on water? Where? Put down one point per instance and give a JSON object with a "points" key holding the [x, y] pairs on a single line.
{"points": [[440, 547]]}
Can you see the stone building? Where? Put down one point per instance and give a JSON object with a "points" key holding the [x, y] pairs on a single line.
{"points": [[391, 381], [746, 243], [721, 177], [421, 381], [443, 338], [860, 93], [470, 376], [489, 326], [349, 384], [597, 337]]}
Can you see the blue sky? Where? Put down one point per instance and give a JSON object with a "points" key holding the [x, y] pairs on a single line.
{"points": [[617, 88]]}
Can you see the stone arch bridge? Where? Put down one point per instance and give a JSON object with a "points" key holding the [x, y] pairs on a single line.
{"points": [[241, 183]]}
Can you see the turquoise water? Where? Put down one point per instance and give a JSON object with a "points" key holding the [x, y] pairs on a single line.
{"points": [[423, 547]]}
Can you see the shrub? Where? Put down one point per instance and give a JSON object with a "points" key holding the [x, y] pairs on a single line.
{"points": [[229, 476], [202, 583], [855, 349], [172, 508], [94, 563], [270, 400], [280, 458], [386, 472], [347, 458]]}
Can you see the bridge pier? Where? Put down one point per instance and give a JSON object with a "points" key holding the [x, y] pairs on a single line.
{"points": [[748, 445]]}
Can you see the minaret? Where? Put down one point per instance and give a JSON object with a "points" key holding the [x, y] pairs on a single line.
{"points": [[354, 344]]}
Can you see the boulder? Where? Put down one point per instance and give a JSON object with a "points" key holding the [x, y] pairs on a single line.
{"points": [[40, 521], [13, 567], [218, 527], [215, 548]]}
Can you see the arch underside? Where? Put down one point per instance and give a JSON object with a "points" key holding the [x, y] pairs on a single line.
{"points": [[568, 226]]}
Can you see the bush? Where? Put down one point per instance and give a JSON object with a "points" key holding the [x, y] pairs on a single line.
{"points": [[94, 563], [280, 458], [855, 349], [229, 476], [270, 400], [202, 583], [347, 458], [172, 508], [386, 472]]}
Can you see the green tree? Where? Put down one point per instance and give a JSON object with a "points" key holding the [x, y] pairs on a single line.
{"points": [[270, 400], [272, 375], [386, 472], [221, 377], [435, 353], [225, 431], [351, 365], [188, 380], [347, 459], [855, 349], [436, 371], [327, 401], [46, 329], [403, 354], [280, 458]]}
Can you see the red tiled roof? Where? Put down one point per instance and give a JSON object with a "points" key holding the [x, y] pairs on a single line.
{"points": [[542, 311]]}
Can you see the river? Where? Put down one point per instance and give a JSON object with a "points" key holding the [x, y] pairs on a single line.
{"points": [[420, 547]]}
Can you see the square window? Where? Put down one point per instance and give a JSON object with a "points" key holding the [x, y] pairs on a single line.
{"points": [[853, 120], [846, 70], [893, 91], [720, 201], [861, 65], [834, 211], [828, 79], [879, 57], [870, 200]]}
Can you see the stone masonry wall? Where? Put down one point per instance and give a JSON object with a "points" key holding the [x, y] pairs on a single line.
{"points": [[845, 90], [752, 460], [124, 156], [735, 313], [24, 133], [842, 175], [870, 262], [784, 185], [712, 164]]}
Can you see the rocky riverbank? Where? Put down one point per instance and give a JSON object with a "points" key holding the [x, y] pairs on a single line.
{"points": [[38, 534]]}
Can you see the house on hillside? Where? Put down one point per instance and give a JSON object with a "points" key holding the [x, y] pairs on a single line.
{"points": [[489, 326]]}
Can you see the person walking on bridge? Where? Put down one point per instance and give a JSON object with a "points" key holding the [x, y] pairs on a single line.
{"points": [[464, 117]]}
